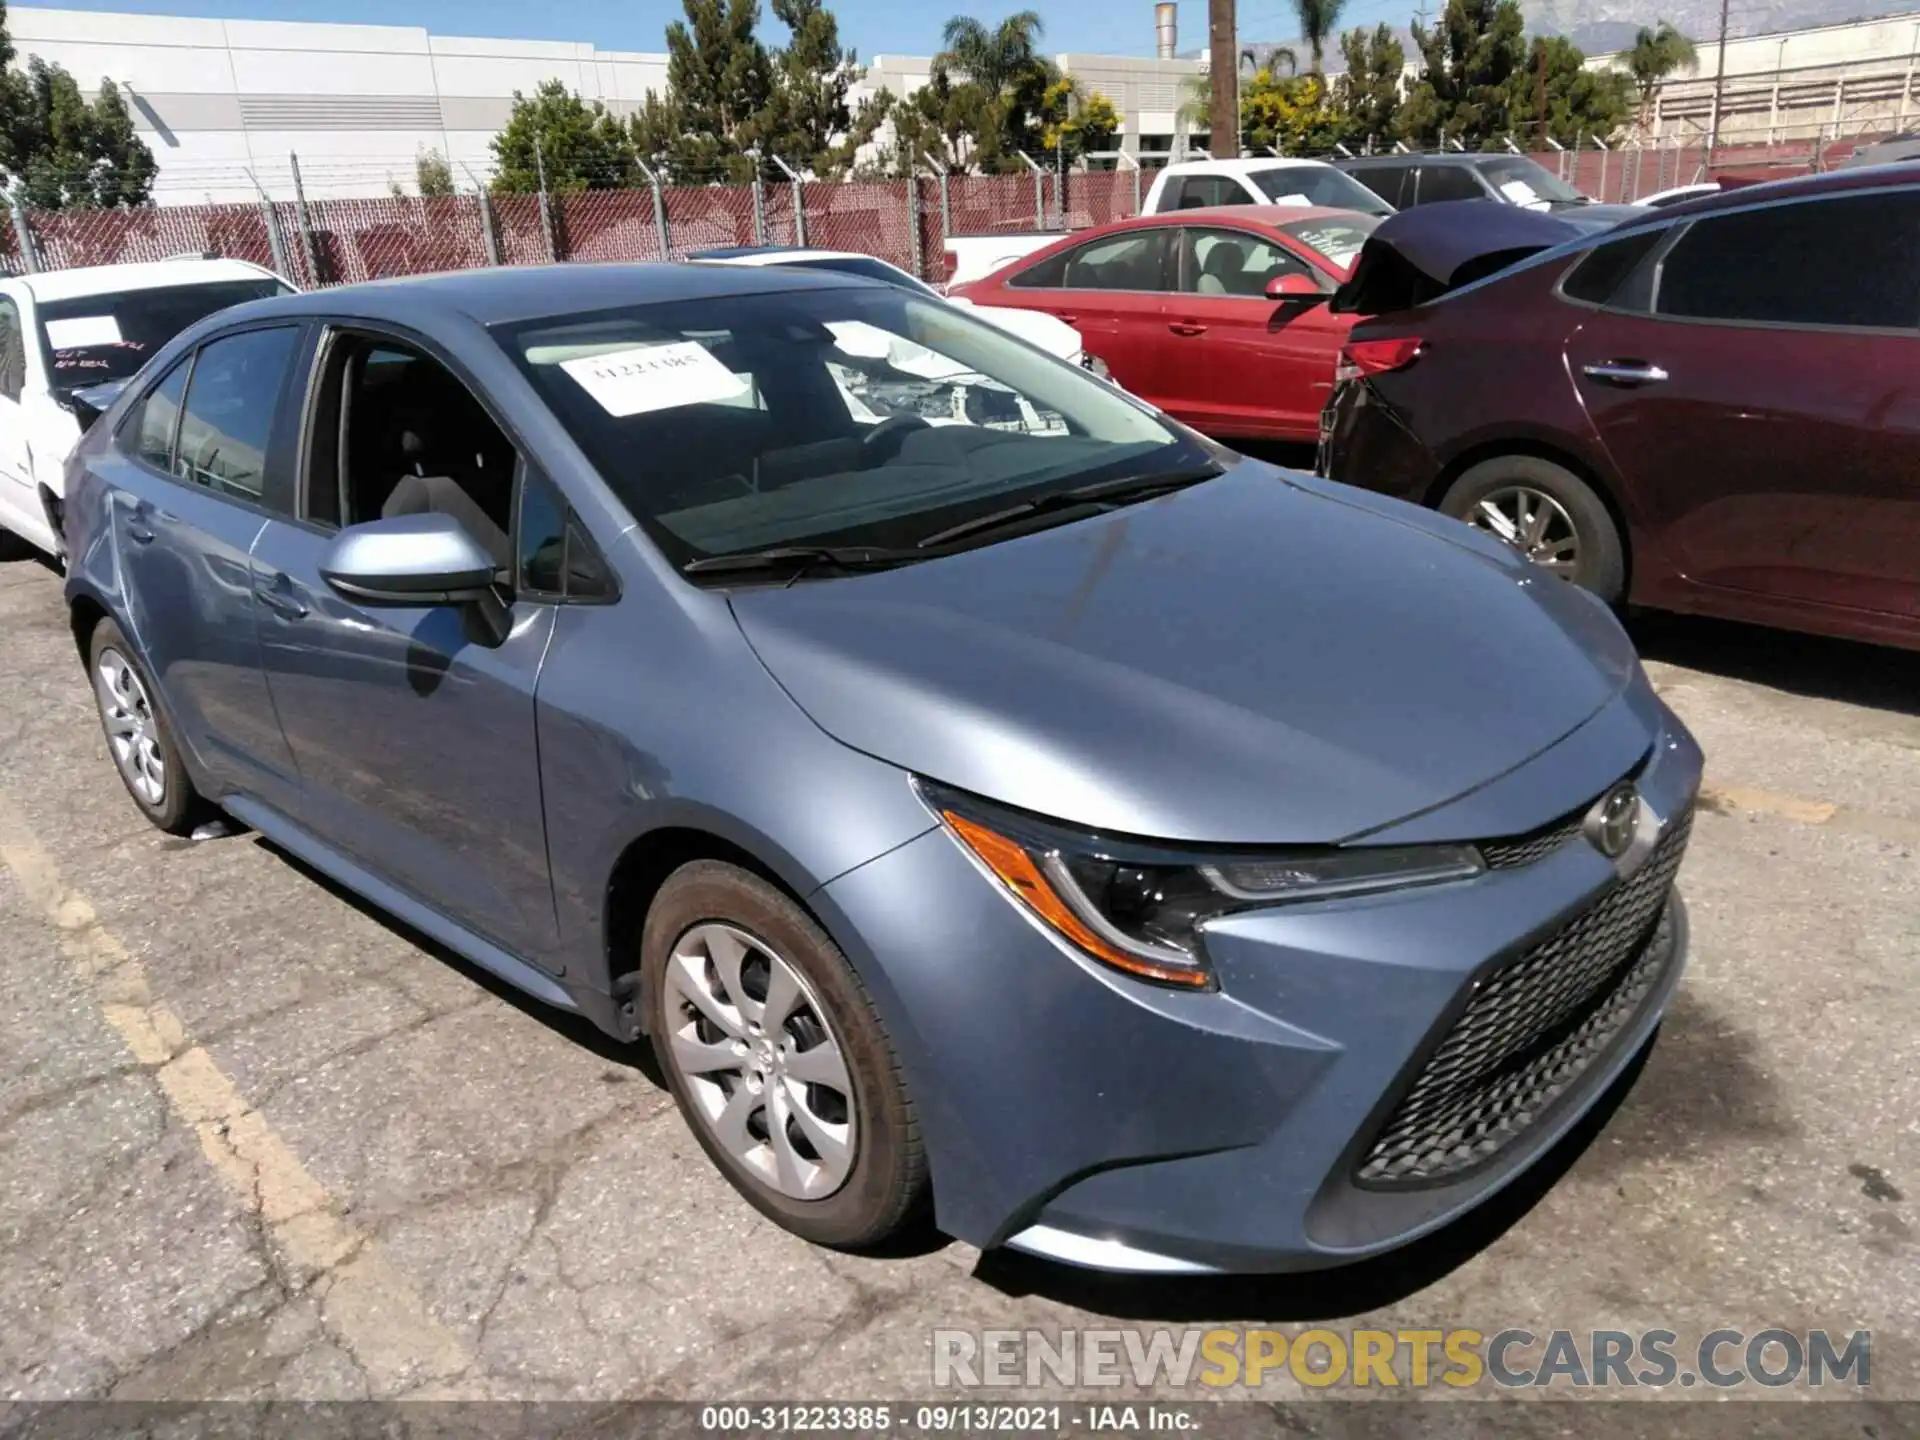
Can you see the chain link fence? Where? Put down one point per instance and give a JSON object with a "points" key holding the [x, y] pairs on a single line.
{"points": [[904, 221]]}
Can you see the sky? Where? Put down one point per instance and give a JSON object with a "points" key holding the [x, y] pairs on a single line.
{"points": [[872, 27]]}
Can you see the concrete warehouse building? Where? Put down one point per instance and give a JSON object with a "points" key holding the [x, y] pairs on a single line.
{"points": [[223, 103]]}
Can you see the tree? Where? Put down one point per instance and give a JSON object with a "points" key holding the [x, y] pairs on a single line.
{"points": [[719, 88], [1578, 102], [1656, 54], [808, 123], [1317, 21], [1074, 122], [578, 144], [1466, 82], [1367, 96], [56, 149], [992, 59], [431, 173], [997, 84]]}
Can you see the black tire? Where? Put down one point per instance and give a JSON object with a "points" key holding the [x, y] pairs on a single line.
{"points": [[180, 808], [1601, 561], [886, 1191]]}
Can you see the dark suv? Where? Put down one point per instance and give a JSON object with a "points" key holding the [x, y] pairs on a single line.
{"points": [[1404, 181], [1713, 410]]}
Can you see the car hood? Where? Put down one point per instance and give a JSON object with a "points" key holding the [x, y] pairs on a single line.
{"points": [[1261, 659]]}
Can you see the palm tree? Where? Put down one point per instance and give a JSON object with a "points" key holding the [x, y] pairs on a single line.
{"points": [[1656, 54], [1318, 19], [994, 58]]}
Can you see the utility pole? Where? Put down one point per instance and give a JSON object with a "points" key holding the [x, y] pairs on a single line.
{"points": [[1719, 87], [1223, 49]]}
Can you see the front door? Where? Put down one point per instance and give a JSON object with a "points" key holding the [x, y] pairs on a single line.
{"points": [[19, 500], [1244, 364], [1113, 290], [1766, 411], [413, 733], [203, 465]]}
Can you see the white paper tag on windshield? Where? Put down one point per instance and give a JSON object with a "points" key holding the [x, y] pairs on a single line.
{"points": [[1295, 199], [656, 377], [83, 332], [1519, 192]]}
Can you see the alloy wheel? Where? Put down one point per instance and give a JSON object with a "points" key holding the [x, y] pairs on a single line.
{"points": [[760, 1060], [133, 732], [1533, 523]]}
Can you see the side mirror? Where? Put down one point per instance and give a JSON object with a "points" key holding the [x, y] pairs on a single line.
{"points": [[1295, 287], [427, 559]]}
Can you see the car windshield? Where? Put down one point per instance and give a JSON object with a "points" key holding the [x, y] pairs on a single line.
{"points": [[1528, 182], [92, 339], [1338, 239], [1318, 185], [853, 415], [868, 269]]}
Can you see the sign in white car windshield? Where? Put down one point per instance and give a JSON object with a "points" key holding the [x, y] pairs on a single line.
{"points": [[83, 332], [656, 377]]}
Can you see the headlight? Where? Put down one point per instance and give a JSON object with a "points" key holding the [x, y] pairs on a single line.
{"points": [[1143, 908]]}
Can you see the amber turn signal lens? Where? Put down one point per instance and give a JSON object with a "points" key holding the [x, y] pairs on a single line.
{"points": [[1016, 870]]}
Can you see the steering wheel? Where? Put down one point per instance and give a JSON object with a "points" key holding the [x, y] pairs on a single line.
{"points": [[883, 441]]}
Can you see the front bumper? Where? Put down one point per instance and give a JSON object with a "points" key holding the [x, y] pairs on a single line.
{"points": [[1074, 1112]]}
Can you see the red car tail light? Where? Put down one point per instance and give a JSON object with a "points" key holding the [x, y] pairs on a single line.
{"points": [[1360, 358]]}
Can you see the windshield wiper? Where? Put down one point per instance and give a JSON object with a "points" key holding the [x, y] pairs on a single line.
{"points": [[799, 558], [1102, 495]]}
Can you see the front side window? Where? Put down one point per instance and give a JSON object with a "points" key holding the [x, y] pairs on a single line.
{"points": [[1317, 185], [149, 430], [1233, 263], [232, 396], [13, 352], [878, 419], [93, 339], [1849, 261], [1448, 182]]}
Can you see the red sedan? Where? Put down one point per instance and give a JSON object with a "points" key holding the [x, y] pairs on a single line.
{"points": [[1218, 316]]}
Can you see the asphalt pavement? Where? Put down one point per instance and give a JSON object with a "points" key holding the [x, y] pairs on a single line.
{"points": [[258, 1141]]}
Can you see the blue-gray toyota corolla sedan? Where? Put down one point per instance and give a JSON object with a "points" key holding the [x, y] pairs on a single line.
{"points": [[991, 799]]}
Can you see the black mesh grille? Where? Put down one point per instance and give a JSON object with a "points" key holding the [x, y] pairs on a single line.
{"points": [[1511, 854], [1530, 1030]]}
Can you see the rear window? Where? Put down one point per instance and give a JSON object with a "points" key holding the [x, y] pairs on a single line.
{"points": [[96, 338], [1851, 261], [1598, 275]]}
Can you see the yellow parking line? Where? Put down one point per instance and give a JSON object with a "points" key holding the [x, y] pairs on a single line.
{"points": [[366, 1304]]}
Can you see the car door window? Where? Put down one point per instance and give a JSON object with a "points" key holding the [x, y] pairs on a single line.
{"points": [[147, 432], [1448, 182], [1386, 181], [556, 559], [233, 394], [395, 432], [1232, 263], [1133, 260], [1851, 261], [1598, 277], [13, 351]]}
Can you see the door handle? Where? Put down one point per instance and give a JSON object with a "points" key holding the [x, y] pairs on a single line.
{"points": [[1627, 374], [1060, 315], [279, 597], [138, 530], [1186, 327]]}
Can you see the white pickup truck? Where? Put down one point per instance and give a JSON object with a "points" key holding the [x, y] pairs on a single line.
{"points": [[1187, 185]]}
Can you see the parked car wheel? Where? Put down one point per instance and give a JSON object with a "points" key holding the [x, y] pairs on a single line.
{"points": [[138, 735], [1548, 514], [777, 1059]]}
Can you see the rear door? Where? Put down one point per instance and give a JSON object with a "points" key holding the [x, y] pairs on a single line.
{"points": [[1243, 364], [1114, 291], [202, 463], [1758, 386]]}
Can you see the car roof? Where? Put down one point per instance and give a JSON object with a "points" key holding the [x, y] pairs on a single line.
{"points": [[529, 292], [89, 280], [1424, 157], [1864, 177], [1274, 215], [778, 255], [1242, 165]]}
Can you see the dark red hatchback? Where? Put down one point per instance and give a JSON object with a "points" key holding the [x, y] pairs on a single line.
{"points": [[1715, 410]]}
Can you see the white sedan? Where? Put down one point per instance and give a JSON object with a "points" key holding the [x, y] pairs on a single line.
{"points": [[1045, 332], [69, 340]]}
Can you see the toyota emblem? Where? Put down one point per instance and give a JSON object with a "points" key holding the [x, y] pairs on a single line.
{"points": [[1611, 824]]}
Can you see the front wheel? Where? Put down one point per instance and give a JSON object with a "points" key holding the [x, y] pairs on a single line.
{"points": [[778, 1060], [1546, 513]]}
